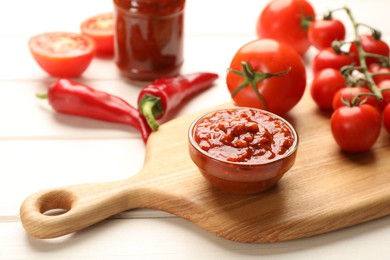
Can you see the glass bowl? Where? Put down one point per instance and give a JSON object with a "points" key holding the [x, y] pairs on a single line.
{"points": [[227, 147]]}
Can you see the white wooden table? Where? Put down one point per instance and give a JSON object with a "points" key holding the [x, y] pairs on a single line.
{"points": [[41, 149]]}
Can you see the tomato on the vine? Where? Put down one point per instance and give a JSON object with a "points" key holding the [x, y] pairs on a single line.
{"points": [[62, 54], [324, 86], [356, 128], [328, 58], [376, 68], [322, 33], [101, 29], [386, 118], [348, 94], [371, 45], [384, 85], [267, 74], [286, 21]]}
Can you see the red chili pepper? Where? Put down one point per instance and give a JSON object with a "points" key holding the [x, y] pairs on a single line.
{"points": [[74, 98], [163, 95]]}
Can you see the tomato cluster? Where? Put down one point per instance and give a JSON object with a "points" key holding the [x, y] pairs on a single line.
{"points": [[351, 78], [68, 55]]}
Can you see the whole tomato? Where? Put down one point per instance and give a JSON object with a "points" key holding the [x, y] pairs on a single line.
{"points": [[371, 44], [328, 58], [356, 128], [267, 74], [386, 118], [324, 86], [348, 94], [323, 32], [284, 20]]}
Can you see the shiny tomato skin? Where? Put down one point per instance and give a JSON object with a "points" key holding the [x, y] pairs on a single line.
{"points": [[328, 58], [349, 93], [356, 129], [281, 20], [101, 29], [322, 33], [324, 86], [371, 45], [386, 118], [62, 54], [280, 93], [384, 84], [376, 68]]}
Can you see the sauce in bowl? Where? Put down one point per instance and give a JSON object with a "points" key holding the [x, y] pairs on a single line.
{"points": [[242, 150]]}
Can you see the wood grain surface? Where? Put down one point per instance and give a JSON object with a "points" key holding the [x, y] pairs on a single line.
{"points": [[325, 190]]}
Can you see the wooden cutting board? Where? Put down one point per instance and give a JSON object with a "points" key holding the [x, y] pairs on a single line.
{"points": [[325, 190]]}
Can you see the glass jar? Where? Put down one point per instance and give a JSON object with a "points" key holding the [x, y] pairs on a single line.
{"points": [[149, 38]]}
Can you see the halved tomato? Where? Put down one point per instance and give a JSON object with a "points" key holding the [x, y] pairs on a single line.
{"points": [[62, 54], [101, 29]]}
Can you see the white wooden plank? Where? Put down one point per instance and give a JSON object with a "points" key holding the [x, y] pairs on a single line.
{"points": [[173, 238]]}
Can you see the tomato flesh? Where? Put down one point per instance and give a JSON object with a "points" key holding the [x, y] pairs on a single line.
{"points": [[62, 54], [101, 29]]}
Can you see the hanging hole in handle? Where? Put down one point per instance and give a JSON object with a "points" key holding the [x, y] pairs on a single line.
{"points": [[55, 203]]}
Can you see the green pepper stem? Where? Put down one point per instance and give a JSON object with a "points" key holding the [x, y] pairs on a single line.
{"points": [[41, 95], [150, 108]]}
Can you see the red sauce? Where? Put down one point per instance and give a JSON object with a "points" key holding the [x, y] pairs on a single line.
{"points": [[149, 38], [244, 135]]}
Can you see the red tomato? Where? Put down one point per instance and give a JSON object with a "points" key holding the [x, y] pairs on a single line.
{"points": [[281, 20], [376, 68], [324, 86], [386, 118], [323, 32], [61, 54], [328, 58], [348, 94], [101, 29], [371, 45], [356, 129], [279, 93], [385, 84]]}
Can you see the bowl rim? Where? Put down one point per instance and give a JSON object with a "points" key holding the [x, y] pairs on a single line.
{"points": [[290, 152]]}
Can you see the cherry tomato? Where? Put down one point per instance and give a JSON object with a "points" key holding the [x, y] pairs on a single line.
{"points": [[61, 54], [323, 32], [328, 58], [371, 45], [384, 84], [376, 68], [101, 29], [386, 118], [356, 128], [349, 93], [264, 57], [281, 20], [324, 86]]}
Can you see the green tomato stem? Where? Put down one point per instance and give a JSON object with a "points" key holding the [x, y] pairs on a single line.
{"points": [[362, 58]]}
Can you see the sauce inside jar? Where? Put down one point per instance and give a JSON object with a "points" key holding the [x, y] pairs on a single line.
{"points": [[244, 135], [149, 38]]}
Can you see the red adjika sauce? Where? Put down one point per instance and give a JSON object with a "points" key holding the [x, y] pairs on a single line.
{"points": [[244, 135], [149, 38]]}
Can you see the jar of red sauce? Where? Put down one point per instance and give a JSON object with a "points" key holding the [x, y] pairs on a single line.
{"points": [[149, 38]]}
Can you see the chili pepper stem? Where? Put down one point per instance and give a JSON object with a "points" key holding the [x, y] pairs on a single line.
{"points": [[41, 95], [150, 107]]}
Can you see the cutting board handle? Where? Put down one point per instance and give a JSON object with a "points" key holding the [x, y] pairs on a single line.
{"points": [[57, 212]]}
